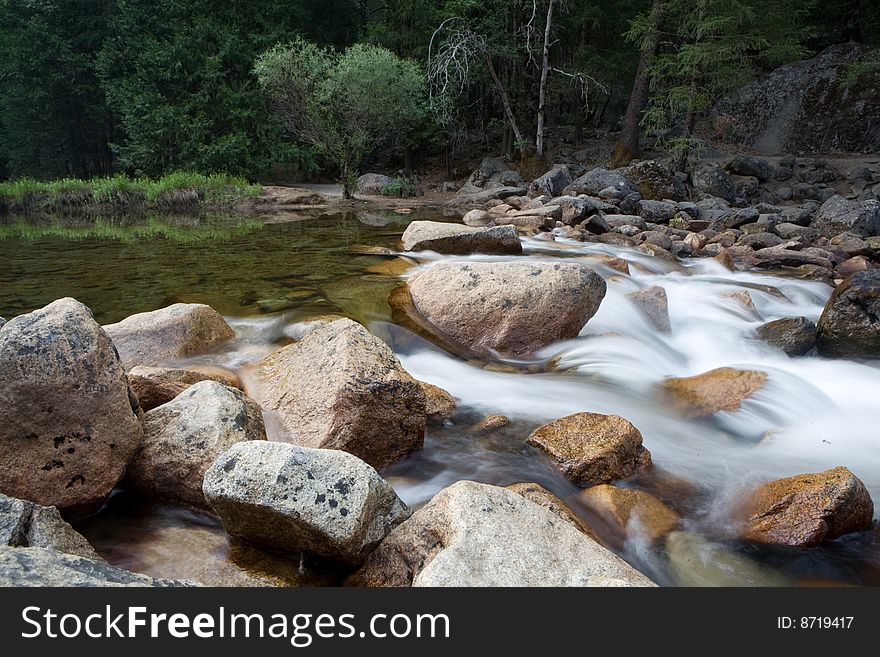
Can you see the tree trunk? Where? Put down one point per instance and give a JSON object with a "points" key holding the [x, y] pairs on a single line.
{"points": [[542, 89], [407, 160], [508, 111], [630, 134]]}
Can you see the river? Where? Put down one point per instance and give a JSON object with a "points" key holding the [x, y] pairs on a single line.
{"points": [[270, 278]]}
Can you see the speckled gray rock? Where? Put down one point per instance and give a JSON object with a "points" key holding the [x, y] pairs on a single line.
{"points": [[460, 240], [294, 499], [185, 436], [2, 322], [168, 334], [598, 180], [849, 326], [155, 386], [25, 524], [70, 425], [35, 566], [512, 308], [473, 534], [838, 214], [553, 181], [342, 388]]}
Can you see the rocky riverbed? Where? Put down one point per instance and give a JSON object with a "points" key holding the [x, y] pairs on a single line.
{"points": [[529, 396]]}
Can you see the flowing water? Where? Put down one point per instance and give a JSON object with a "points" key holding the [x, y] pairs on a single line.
{"points": [[270, 278]]}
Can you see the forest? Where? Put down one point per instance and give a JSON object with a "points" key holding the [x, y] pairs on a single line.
{"points": [[96, 87]]}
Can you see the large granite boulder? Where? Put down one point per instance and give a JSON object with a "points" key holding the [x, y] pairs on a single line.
{"points": [[342, 388], [598, 180], [168, 334], [839, 215], [510, 308], [294, 499], [473, 534], [656, 181], [26, 524], [185, 436], [155, 386], [553, 181], [795, 336], [70, 425], [372, 184], [460, 240]]}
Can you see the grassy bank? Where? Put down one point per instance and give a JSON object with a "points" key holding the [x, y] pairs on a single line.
{"points": [[176, 192]]}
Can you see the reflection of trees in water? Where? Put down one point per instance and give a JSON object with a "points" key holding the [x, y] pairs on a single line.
{"points": [[127, 228]]}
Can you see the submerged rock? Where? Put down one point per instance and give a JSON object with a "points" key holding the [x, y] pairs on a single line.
{"points": [[795, 336], [722, 389], [183, 438], [473, 534], [695, 561], [591, 449], [36, 566], [26, 524], [653, 303], [631, 513], [342, 388], [70, 425], [168, 334], [805, 510], [155, 386], [295, 499], [460, 240], [850, 324], [512, 308]]}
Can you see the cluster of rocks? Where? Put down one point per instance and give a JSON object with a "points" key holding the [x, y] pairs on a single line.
{"points": [[748, 212]]}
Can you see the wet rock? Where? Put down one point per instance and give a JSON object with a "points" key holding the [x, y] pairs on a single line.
{"points": [[70, 425], [591, 449], [544, 498], [294, 499], [155, 386], [160, 336], [492, 422], [36, 566], [342, 388], [598, 180], [653, 303], [657, 251], [655, 181], [472, 534], [373, 184], [477, 218], [656, 238], [805, 510], [712, 180], [554, 181], [25, 524], [630, 513], [795, 336], [722, 389], [523, 221], [837, 215], [438, 403], [512, 308], [457, 239], [391, 268], [694, 561], [850, 324], [183, 438]]}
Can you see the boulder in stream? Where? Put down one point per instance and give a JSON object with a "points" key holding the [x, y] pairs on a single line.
{"points": [[70, 423], [544, 498], [155, 386], [653, 303], [460, 240], [168, 334], [184, 437], [342, 388], [295, 499], [722, 389], [630, 513], [438, 403], [591, 449], [695, 561], [473, 534], [850, 324], [795, 336], [804, 510], [509, 308]]}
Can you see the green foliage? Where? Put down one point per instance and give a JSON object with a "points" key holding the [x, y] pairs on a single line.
{"points": [[26, 195], [401, 187], [344, 105], [711, 47], [870, 62], [109, 228]]}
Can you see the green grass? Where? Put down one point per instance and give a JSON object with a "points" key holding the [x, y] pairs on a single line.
{"points": [[154, 227], [26, 195]]}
